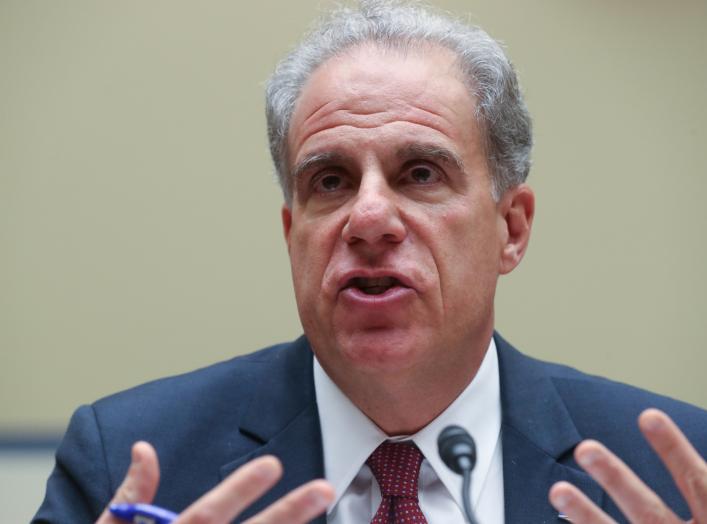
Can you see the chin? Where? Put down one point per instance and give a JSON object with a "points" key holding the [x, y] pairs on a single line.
{"points": [[382, 349]]}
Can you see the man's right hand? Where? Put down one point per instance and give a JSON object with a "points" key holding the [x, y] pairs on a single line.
{"points": [[227, 500]]}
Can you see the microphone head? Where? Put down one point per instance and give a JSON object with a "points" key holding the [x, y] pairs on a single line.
{"points": [[457, 449]]}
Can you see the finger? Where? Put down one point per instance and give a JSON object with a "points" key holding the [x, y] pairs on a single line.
{"points": [[238, 491], [141, 480], [686, 466], [569, 500], [298, 506], [636, 500]]}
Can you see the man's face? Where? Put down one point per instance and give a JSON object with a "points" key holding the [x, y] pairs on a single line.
{"points": [[394, 238]]}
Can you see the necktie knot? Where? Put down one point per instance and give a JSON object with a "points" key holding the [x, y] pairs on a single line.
{"points": [[396, 467]]}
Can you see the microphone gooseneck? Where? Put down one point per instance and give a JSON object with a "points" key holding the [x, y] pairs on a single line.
{"points": [[458, 452]]}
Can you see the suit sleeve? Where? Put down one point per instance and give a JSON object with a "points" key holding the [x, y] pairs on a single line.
{"points": [[79, 487]]}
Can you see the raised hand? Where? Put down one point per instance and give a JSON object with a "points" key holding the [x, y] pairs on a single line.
{"points": [[227, 500], [637, 501]]}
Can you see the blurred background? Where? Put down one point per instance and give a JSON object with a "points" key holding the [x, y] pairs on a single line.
{"points": [[139, 217]]}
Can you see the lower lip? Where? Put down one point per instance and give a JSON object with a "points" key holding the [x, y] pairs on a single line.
{"points": [[389, 298]]}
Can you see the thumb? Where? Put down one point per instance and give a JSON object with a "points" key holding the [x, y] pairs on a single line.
{"points": [[140, 482]]}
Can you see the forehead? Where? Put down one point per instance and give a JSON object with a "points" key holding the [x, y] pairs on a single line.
{"points": [[370, 86], [409, 67]]}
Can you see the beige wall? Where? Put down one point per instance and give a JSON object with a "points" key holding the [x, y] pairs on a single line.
{"points": [[139, 223]]}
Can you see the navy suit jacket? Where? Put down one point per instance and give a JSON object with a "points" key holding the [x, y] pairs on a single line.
{"points": [[206, 423]]}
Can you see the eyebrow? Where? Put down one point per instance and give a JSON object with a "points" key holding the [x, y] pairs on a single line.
{"points": [[316, 160], [413, 151], [430, 152]]}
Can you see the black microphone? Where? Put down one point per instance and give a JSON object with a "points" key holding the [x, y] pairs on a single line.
{"points": [[458, 452]]}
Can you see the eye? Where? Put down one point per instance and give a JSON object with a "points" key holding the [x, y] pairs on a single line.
{"points": [[328, 183], [422, 174]]}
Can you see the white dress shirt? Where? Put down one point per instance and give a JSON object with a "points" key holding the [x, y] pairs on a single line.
{"points": [[349, 437]]}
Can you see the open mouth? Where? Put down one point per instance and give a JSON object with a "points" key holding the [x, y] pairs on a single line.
{"points": [[373, 286]]}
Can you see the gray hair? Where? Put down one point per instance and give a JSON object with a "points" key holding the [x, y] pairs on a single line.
{"points": [[489, 75]]}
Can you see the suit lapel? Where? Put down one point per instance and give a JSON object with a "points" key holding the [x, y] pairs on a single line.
{"points": [[528, 474], [538, 437], [282, 420]]}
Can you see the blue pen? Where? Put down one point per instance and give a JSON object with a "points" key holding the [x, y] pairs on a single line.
{"points": [[142, 513]]}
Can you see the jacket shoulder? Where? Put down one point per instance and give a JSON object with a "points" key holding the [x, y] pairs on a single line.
{"points": [[550, 408], [605, 409], [222, 384], [192, 420]]}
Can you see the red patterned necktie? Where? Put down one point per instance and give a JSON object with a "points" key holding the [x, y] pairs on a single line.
{"points": [[396, 467]]}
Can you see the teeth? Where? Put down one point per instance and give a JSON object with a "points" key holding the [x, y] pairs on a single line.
{"points": [[374, 286]]}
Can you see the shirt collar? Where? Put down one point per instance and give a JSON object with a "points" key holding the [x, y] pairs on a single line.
{"points": [[349, 436]]}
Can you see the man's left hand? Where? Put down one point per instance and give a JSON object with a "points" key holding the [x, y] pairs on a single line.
{"points": [[636, 500]]}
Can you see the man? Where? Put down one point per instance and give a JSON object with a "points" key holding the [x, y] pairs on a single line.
{"points": [[402, 145]]}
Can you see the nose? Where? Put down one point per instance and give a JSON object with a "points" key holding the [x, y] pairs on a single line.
{"points": [[374, 221]]}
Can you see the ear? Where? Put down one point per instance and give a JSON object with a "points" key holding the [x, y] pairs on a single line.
{"points": [[286, 215], [516, 211]]}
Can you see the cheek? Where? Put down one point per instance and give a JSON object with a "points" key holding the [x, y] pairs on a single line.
{"points": [[310, 250], [304, 264], [468, 251]]}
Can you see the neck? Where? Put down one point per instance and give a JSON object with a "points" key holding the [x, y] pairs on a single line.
{"points": [[404, 403]]}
